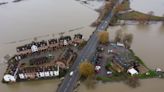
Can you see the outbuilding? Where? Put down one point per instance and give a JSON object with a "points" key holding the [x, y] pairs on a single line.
{"points": [[34, 48], [120, 44], [132, 71]]}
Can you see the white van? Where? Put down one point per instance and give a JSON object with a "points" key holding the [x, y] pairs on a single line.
{"points": [[71, 73]]}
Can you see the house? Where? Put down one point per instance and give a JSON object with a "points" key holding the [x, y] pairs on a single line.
{"points": [[78, 38], [53, 44], [38, 72], [11, 72], [9, 78], [65, 40], [65, 43], [34, 48], [123, 63], [132, 71]]}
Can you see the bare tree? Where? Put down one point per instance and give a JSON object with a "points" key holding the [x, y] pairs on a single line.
{"points": [[119, 35], [124, 37], [133, 82], [150, 14], [127, 40], [142, 19], [119, 8]]}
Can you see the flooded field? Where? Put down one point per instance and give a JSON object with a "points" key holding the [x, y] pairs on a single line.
{"points": [[147, 44], [21, 22], [148, 5]]}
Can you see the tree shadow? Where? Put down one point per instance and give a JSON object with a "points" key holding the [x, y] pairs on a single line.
{"points": [[132, 82], [90, 83]]}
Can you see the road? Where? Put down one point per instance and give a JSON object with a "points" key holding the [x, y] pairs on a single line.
{"points": [[69, 82]]}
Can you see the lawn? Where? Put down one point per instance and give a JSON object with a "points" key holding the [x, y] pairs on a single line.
{"points": [[135, 15], [149, 74]]}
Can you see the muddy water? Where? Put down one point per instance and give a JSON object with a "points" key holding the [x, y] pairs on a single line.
{"points": [[148, 44], [156, 6], [21, 22], [45, 18]]}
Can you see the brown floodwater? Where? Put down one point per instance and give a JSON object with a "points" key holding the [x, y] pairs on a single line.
{"points": [[148, 44], [21, 22], [44, 19]]}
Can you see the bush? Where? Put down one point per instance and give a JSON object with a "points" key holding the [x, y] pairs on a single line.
{"points": [[62, 72], [104, 37], [86, 69], [82, 44], [108, 65], [149, 74]]}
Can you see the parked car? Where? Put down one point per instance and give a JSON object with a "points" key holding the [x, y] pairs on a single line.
{"points": [[100, 49], [97, 63], [97, 68], [109, 73], [110, 51], [99, 55]]}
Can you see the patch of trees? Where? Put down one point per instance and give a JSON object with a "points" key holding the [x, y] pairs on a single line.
{"points": [[124, 37], [86, 69], [103, 37]]}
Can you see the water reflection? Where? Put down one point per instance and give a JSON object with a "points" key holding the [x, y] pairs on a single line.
{"points": [[148, 45], [44, 19], [145, 6], [143, 27], [39, 17]]}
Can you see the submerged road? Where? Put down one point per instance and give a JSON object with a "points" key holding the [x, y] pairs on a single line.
{"points": [[69, 82]]}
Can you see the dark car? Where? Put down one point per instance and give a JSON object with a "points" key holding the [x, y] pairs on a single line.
{"points": [[100, 49]]}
